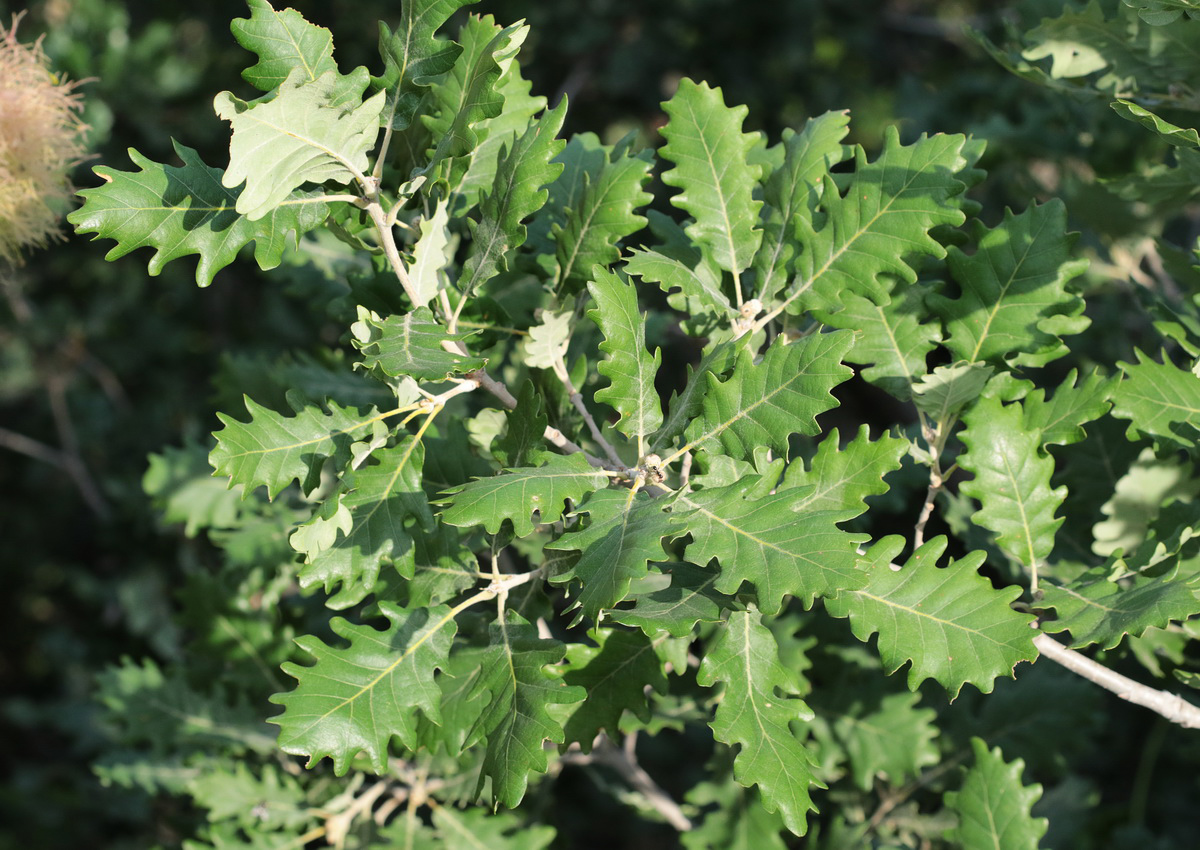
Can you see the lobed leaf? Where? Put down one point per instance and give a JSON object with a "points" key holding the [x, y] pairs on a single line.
{"points": [[1159, 399], [1012, 480], [411, 345], [615, 675], [515, 494], [310, 132], [843, 478], [792, 191], [629, 367], [283, 42], [273, 450], [879, 228], [378, 501], [358, 698], [993, 805], [706, 144], [183, 210], [691, 598], [950, 623], [517, 193], [520, 712], [1014, 303], [763, 404], [412, 55], [755, 711], [1096, 609], [626, 531], [770, 543]]}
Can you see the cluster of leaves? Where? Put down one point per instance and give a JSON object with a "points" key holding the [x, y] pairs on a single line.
{"points": [[622, 550]]}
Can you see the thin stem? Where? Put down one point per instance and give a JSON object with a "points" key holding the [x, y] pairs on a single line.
{"points": [[1139, 796], [623, 760], [1171, 706], [375, 209], [560, 369]]}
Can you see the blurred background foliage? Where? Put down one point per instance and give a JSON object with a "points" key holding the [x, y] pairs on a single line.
{"points": [[106, 365]]}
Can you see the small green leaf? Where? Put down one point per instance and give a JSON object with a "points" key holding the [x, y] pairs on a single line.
{"points": [[516, 194], [949, 622], [515, 494], [1075, 403], [690, 599], [602, 216], [768, 542], [993, 806], [706, 144], [629, 367], [310, 132], [283, 41], [1181, 137], [614, 674], [273, 450], [379, 499], [519, 714], [412, 55], [792, 190], [356, 699], [412, 345], [1015, 303], [1159, 399], [755, 711], [1012, 481], [433, 251], [185, 210], [763, 404], [1096, 609], [945, 391], [626, 531], [842, 479]]}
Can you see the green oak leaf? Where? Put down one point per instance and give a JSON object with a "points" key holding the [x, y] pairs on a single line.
{"points": [[890, 340], [768, 542], [411, 345], [706, 144], [602, 216], [614, 674], [1075, 403], [272, 449], [1096, 609], [517, 193], [412, 55], [524, 439], [895, 741], [1015, 303], [519, 713], [993, 806], [843, 478], [378, 501], [739, 821], [755, 711], [878, 229], [183, 210], [629, 367], [468, 93], [792, 190], [949, 622], [691, 598], [283, 42], [433, 251], [358, 698], [515, 494], [236, 792], [310, 132], [1182, 137], [1159, 400], [763, 404], [1012, 480], [626, 531], [943, 393]]}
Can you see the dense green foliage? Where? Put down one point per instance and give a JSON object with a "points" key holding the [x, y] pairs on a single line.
{"points": [[559, 474]]}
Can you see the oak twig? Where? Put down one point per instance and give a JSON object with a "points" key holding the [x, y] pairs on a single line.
{"points": [[1171, 706]]}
